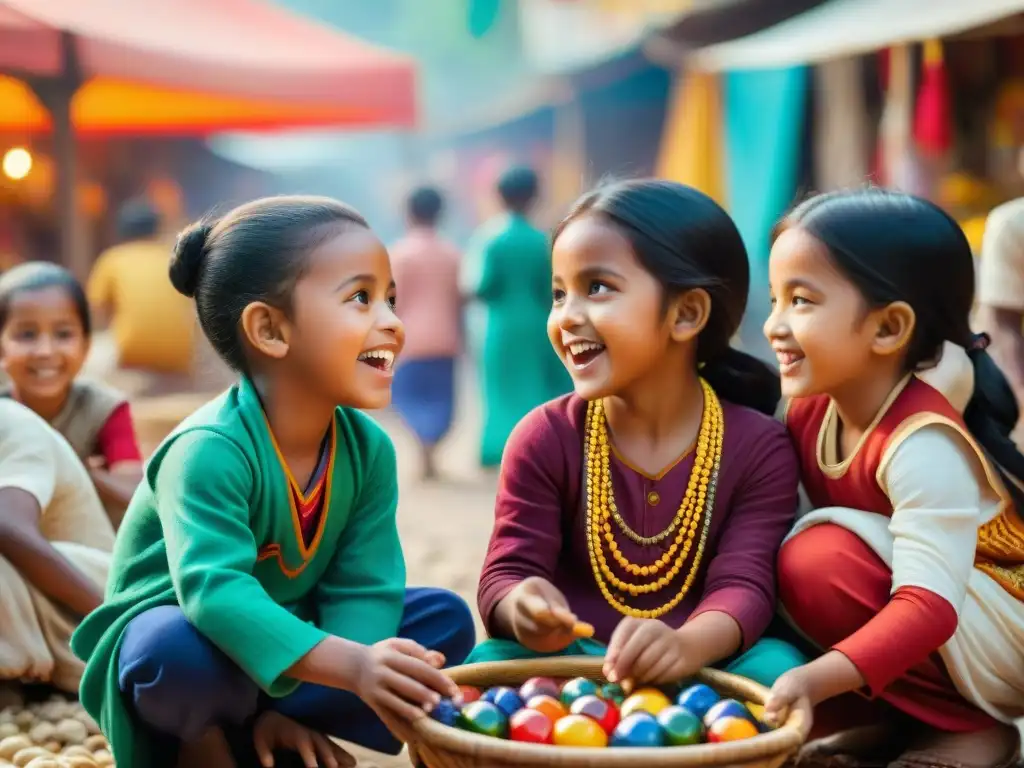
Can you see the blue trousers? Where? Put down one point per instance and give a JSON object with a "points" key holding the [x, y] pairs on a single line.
{"points": [[179, 684]]}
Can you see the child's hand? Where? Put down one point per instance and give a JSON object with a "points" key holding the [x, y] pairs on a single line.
{"points": [[541, 618], [646, 651], [790, 692], [403, 678], [274, 731]]}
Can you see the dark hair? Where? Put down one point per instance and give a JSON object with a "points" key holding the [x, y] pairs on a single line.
{"points": [[518, 188], [137, 219], [38, 276], [257, 252], [896, 247], [686, 241], [425, 206]]}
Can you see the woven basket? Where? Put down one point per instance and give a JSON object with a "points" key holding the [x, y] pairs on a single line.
{"points": [[437, 746]]}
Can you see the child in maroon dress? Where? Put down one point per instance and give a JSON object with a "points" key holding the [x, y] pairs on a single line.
{"points": [[644, 505]]}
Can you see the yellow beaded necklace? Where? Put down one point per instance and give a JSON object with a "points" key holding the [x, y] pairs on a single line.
{"points": [[694, 509]]}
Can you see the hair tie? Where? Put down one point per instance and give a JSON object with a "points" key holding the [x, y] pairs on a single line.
{"points": [[980, 342]]}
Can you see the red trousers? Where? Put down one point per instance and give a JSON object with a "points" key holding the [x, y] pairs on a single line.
{"points": [[832, 584]]}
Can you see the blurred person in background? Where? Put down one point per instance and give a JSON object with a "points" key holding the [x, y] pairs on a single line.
{"points": [[1000, 297], [45, 333], [153, 325], [426, 270], [508, 274]]}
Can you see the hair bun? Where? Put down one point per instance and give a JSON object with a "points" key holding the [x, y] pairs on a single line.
{"points": [[188, 257]]}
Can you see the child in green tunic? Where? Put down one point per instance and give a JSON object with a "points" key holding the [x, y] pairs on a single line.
{"points": [[257, 593]]}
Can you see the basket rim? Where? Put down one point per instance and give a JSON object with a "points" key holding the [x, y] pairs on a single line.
{"points": [[784, 740]]}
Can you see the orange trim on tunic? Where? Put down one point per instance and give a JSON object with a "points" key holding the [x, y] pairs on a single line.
{"points": [[297, 499]]}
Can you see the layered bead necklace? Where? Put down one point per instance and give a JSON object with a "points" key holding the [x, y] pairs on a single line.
{"points": [[694, 513]]}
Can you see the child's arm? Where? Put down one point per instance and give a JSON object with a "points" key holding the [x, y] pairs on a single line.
{"points": [[27, 485], [740, 581], [24, 546], [934, 481], [117, 471], [361, 595], [527, 539]]}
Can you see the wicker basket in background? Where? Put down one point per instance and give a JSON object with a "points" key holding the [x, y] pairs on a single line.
{"points": [[437, 746]]}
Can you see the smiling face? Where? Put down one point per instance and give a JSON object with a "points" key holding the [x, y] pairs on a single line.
{"points": [[43, 345], [608, 322], [820, 329], [344, 335]]}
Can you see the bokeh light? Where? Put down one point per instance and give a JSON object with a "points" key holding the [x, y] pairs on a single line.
{"points": [[17, 163]]}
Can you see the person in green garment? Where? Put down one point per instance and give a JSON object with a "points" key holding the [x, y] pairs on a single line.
{"points": [[256, 600], [508, 279]]}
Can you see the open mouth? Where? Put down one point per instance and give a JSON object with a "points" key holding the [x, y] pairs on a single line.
{"points": [[45, 374], [583, 353], [789, 361], [382, 360]]}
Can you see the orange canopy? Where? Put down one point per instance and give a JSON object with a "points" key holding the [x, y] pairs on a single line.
{"points": [[196, 67]]}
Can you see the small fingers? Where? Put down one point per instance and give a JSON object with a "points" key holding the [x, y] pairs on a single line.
{"points": [[431, 677], [330, 754], [544, 614], [304, 746], [409, 648], [263, 750], [400, 708], [412, 690]]}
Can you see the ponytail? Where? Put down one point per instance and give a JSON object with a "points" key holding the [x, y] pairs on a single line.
{"points": [[991, 416], [744, 380]]}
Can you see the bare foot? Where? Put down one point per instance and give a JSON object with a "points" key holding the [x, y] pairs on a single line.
{"points": [[211, 750], [869, 745], [991, 748]]}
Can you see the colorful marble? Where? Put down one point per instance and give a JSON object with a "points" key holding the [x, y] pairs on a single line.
{"points": [[445, 712], [539, 686], [579, 731], [613, 692], [698, 699], [728, 708], [531, 726], [682, 727], [649, 700], [577, 687], [548, 706], [731, 729], [483, 718], [604, 713], [638, 730], [469, 694], [505, 699]]}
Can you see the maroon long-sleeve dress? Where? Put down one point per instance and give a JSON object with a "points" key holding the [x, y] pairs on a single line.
{"points": [[539, 527]]}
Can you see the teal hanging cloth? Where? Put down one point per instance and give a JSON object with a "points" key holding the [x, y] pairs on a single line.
{"points": [[482, 16]]}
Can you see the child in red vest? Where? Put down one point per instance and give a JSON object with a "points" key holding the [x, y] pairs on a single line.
{"points": [[908, 575]]}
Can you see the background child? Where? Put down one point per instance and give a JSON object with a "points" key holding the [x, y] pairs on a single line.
{"points": [[55, 543], [910, 574], [426, 268], [44, 339], [261, 551], [643, 504], [506, 277]]}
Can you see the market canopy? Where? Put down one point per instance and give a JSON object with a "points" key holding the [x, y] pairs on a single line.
{"points": [[841, 28], [195, 67]]}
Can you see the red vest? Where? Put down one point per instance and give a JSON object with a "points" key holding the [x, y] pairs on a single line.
{"points": [[1000, 547], [857, 487]]}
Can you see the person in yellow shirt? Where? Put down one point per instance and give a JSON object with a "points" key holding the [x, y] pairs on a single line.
{"points": [[153, 325]]}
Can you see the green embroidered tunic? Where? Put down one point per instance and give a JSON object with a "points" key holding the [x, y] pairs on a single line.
{"points": [[214, 529]]}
